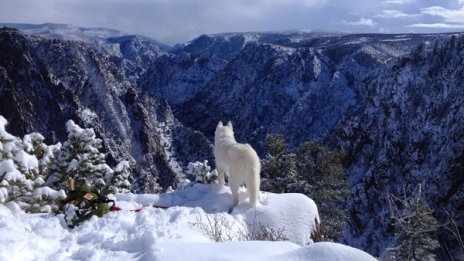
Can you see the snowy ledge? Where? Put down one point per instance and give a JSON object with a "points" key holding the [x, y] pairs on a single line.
{"points": [[173, 233]]}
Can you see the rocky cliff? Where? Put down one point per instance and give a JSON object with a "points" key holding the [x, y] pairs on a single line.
{"points": [[46, 82]]}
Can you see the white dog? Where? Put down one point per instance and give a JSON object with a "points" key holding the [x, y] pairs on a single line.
{"points": [[240, 161]]}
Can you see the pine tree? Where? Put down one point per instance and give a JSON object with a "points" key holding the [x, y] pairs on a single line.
{"points": [[201, 172], [80, 159], [34, 144], [415, 227], [120, 180], [314, 171], [21, 177], [279, 166], [12, 182], [323, 178]]}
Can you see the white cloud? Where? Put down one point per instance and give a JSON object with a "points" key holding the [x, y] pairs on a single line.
{"points": [[395, 14], [402, 2], [437, 26], [448, 15], [361, 22], [173, 21], [169, 21], [307, 3]]}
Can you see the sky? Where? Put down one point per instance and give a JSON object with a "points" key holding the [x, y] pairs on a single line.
{"points": [[178, 21]]}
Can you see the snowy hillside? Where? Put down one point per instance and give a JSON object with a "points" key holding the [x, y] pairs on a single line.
{"points": [[174, 233], [409, 131], [296, 83], [44, 83]]}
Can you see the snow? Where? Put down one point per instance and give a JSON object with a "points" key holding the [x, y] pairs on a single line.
{"points": [[88, 116], [3, 195], [327, 251], [30, 138], [294, 213], [49, 193], [122, 165], [73, 165], [3, 133], [30, 162], [166, 234], [9, 171]]}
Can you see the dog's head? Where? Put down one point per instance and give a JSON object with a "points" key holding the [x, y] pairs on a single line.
{"points": [[224, 131]]}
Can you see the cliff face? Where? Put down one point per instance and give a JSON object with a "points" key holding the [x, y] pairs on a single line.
{"points": [[45, 82], [408, 132], [298, 84]]}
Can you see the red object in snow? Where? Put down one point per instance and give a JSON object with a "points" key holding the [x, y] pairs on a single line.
{"points": [[116, 208]]}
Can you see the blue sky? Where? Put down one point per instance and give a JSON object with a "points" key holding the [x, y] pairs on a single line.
{"points": [[174, 21]]}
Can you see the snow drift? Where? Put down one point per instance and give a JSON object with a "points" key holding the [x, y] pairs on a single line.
{"points": [[171, 233]]}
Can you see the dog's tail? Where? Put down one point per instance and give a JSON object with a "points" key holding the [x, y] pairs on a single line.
{"points": [[253, 178]]}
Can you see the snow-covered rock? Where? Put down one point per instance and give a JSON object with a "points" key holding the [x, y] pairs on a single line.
{"points": [[294, 214]]}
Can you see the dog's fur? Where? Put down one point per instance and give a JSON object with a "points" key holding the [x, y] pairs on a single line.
{"points": [[239, 161]]}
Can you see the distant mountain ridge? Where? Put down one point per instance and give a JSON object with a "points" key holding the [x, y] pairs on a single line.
{"points": [[392, 102], [72, 32], [279, 80]]}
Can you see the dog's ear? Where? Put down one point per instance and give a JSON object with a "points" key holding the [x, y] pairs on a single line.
{"points": [[219, 124], [229, 124]]}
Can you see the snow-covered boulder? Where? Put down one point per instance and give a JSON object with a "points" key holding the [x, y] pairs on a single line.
{"points": [[327, 251], [295, 215]]}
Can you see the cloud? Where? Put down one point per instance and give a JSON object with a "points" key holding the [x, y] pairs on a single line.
{"points": [[402, 2], [448, 15], [307, 3], [395, 14], [361, 22], [169, 21], [437, 26], [174, 21]]}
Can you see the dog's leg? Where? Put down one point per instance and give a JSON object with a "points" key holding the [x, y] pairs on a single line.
{"points": [[234, 183], [221, 173]]}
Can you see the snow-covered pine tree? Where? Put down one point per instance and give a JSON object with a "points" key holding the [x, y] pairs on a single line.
{"points": [[13, 182], [21, 179], [415, 227], [201, 172], [120, 181], [34, 144], [80, 159]]}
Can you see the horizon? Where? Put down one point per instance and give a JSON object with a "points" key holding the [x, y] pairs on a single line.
{"points": [[303, 31], [179, 21]]}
